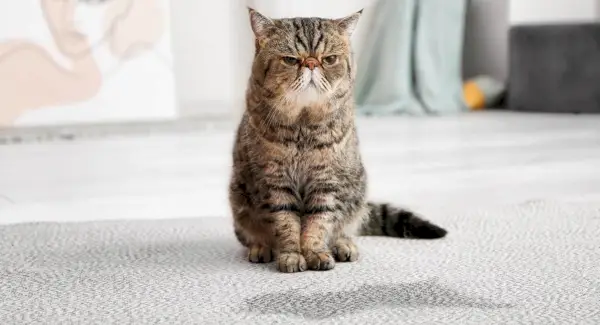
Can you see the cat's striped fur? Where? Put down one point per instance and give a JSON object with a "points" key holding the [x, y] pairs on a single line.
{"points": [[298, 185]]}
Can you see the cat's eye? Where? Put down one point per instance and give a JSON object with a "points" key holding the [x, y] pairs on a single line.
{"points": [[290, 60], [332, 59]]}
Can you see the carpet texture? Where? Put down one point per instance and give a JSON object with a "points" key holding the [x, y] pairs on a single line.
{"points": [[534, 263]]}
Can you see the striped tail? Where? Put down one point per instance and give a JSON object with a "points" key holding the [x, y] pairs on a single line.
{"points": [[386, 220]]}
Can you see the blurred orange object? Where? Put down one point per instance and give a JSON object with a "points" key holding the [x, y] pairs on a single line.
{"points": [[474, 96], [482, 92]]}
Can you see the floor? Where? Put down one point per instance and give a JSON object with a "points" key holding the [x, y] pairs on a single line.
{"points": [[432, 165]]}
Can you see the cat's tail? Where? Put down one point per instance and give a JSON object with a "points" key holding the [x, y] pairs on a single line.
{"points": [[387, 220]]}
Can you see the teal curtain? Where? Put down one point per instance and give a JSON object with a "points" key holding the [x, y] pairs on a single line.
{"points": [[411, 62]]}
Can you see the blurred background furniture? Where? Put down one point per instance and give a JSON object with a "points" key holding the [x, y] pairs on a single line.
{"points": [[555, 68]]}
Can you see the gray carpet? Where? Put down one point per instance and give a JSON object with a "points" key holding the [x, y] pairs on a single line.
{"points": [[535, 263]]}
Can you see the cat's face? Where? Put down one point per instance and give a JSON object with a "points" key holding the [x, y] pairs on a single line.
{"points": [[303, 63]]}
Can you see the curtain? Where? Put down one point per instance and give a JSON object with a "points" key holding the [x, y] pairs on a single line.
{"points": [[411, 60]]}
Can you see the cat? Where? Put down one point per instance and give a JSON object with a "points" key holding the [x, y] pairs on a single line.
{"points": [[298, 185]]}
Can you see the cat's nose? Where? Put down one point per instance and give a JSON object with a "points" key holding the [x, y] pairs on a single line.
{"points": [[311, 63]]}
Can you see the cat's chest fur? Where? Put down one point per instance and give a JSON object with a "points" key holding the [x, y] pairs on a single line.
{"points": [[305, 153]]}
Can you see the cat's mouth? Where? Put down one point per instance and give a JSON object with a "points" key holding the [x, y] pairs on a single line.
{"points": [[312, 88], [313, 83]]}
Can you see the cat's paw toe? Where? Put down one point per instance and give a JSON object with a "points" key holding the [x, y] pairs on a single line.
{"points": [[290, 262], [345, 252], [319, 260], [260, 254]]}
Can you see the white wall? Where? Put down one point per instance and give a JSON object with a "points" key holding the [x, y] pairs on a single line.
{"points": [[203, 49], [553, 11], [486, 39]]}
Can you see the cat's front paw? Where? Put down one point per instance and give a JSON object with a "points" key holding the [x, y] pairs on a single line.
{"points": [[260, 254], [322, 260], [345, 250], [290, 262]]}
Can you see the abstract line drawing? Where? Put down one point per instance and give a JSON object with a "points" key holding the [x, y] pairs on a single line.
{"points": [[31, 78]]}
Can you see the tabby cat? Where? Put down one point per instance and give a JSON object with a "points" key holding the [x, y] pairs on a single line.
{"points": [[297, 190]]}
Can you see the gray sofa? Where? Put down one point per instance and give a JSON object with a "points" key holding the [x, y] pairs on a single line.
{"points": [[554, 68]]}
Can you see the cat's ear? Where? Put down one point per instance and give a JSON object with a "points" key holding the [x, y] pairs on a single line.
{"points": [[348, 23], [260, 24]]}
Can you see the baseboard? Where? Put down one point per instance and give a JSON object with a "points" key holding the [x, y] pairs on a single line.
{"points": [[195, 116], [36, 134], [208, 109]]}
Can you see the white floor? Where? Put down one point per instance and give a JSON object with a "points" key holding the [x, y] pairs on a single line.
{"points": [[429, 164]]}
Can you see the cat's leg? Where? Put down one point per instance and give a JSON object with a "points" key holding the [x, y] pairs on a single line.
{"points": [[324, 219], [316, 229], [282, 228], [271, 218], [342, 246], [286, 226], [259, 251], [330, 223], [274, 232], [278, 212], [247, 227]]}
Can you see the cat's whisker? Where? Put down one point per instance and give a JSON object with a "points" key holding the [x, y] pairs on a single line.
{"points": [[323, 84], [296, 84], [270, 120], [320, 80]]}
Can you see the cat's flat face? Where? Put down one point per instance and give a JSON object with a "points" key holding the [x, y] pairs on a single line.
{"points": [[303, 63]]}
